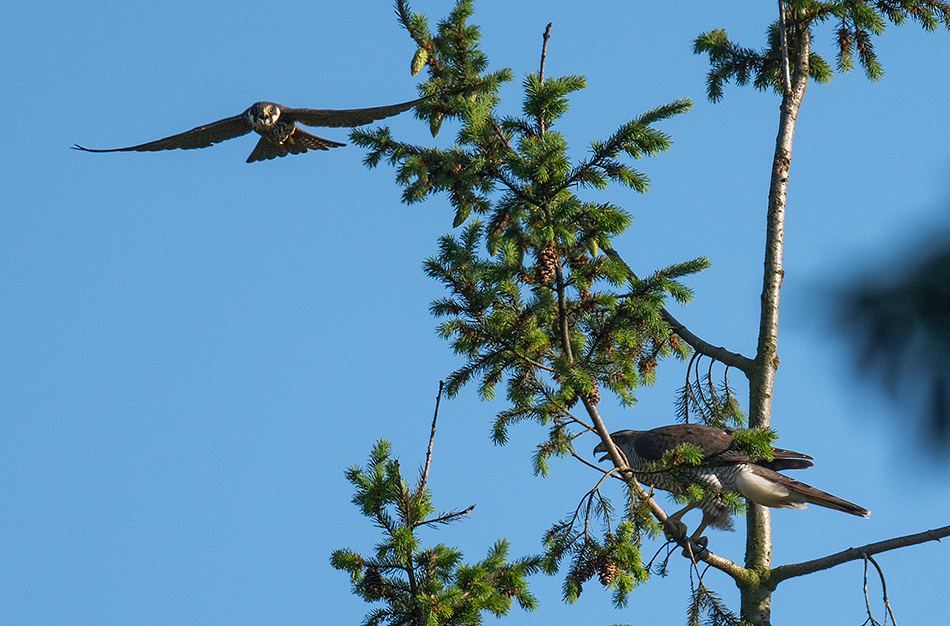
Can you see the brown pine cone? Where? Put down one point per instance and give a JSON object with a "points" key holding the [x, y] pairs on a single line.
{"points": [[608, 569], [373, 583], [594, 395], [545, 264], [586, 568]]}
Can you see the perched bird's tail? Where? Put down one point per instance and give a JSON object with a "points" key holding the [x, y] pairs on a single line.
{"points": [[770, 488]]}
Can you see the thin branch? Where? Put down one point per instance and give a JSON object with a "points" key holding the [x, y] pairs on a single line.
{"points": [[793, 570], [544, 53], [867, 598], [445, 518], [880, 572], [425, 470], [524, 358], [740, 362], [589, 464], [589, 496], [587, 428], [501, 135]]}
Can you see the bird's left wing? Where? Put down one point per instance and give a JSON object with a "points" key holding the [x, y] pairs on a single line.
{"points": [[347, 117], [200, 137]]}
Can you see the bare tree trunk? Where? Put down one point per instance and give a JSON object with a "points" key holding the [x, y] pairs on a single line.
{"points": [[756, 599]]}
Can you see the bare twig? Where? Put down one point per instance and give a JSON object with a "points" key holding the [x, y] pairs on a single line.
{"points": [[669, 551], [544, 53], [887, 604], [793, 570], [867, 599], [589, 464], [445, 518], [425, 470]]}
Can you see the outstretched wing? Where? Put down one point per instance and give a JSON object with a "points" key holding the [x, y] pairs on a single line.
{"points": [[200, 137], [346, 117], [297, 143]]}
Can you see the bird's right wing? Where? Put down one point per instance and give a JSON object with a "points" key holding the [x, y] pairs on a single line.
{"points": [[348, 117], [200, 137]]}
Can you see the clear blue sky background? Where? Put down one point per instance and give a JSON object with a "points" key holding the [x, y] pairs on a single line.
{"points": [[194, 348]]}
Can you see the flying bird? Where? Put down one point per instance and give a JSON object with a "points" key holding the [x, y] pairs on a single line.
{"points": [[277, 126], [723, 468]]}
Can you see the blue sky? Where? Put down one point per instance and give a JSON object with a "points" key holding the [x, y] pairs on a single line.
{"points": [[195, 348]]}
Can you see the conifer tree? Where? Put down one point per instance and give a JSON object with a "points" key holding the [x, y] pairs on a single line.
{"points": [[420, 586], [539, 301]]}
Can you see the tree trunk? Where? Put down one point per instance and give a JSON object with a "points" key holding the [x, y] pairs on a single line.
{"points": [[756, 599]]}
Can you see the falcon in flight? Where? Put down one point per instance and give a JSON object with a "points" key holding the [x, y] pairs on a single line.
{"points": [[724, 468], [277, 126]]}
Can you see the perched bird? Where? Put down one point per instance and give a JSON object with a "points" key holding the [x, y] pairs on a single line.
{"points": [[277, 126], [723, 469]]}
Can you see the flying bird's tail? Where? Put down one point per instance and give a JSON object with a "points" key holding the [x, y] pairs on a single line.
{"points": [[764, 486], [297, 143]]}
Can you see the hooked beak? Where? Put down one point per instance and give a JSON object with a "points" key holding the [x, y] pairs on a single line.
{"points": [[601, 449]]}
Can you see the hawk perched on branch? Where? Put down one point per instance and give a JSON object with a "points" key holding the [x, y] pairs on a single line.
{"points": [[723, 468], [277, 126]]}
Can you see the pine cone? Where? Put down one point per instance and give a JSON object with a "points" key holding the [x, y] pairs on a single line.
{"points": [[373, 583], [586, 569], [545, 264], [594, 395], [608, 568]]}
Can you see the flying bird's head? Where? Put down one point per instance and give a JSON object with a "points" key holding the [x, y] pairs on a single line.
{"points": [[263, 115]]}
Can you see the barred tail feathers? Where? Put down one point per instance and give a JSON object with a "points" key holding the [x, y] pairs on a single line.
{"points": [[763, 486]]}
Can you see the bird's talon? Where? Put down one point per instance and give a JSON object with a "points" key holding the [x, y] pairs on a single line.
{"points": [[677, 524]]}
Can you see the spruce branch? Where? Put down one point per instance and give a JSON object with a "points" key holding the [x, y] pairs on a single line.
{"points": [[740, 362]]}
